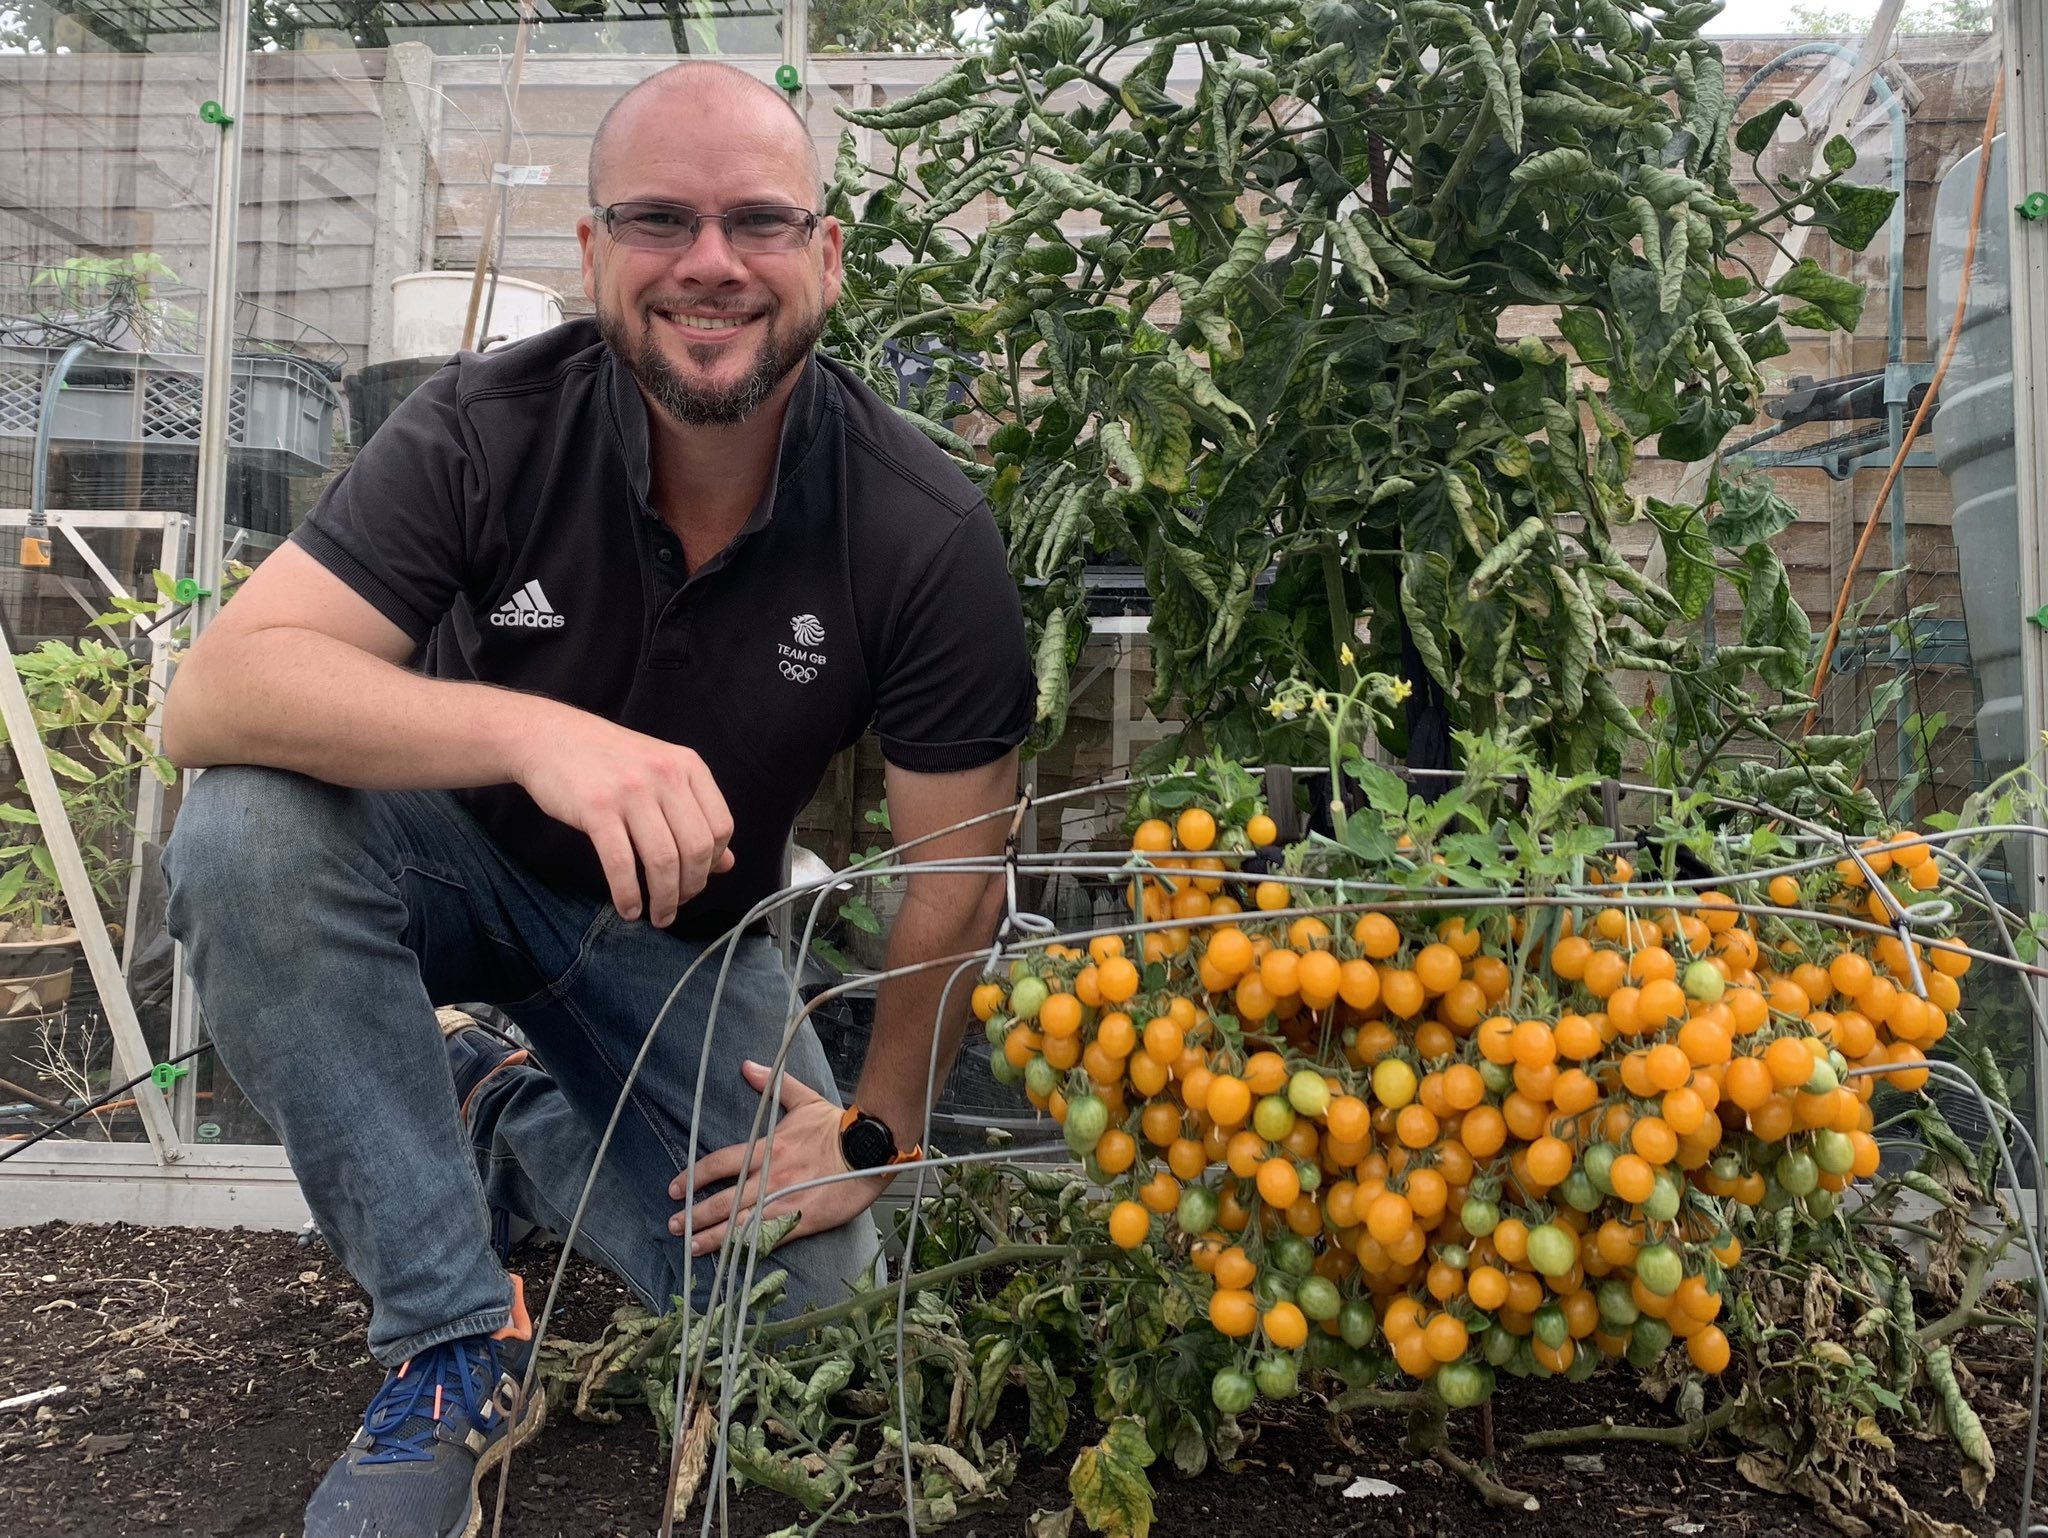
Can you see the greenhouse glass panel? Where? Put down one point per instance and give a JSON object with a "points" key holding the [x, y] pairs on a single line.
{"points": [[106, 180]]}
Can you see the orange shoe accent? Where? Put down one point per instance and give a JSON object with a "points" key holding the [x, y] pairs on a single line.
{"points": [[520, 1325], [509, 1060]]}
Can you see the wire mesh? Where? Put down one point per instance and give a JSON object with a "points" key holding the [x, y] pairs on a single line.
{"points": [[737, 1264]]}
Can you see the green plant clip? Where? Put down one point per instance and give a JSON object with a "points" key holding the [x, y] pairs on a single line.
{"points": [[788, 78], [213, 112], [2040, 616], [164, 1075], [188, 590], [2035, 206]]}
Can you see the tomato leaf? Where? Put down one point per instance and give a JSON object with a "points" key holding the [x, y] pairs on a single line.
{"points": [[1852, 214], [1688, 556], [1833, 303], [1109, 1483], [1751, 513], [1755, 136]]}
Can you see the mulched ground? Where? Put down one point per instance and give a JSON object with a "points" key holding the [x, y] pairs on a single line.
{"points": [[211, 1377]]}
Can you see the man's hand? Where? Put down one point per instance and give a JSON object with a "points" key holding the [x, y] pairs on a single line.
{"points": [[650, 808], [806, 1146]]}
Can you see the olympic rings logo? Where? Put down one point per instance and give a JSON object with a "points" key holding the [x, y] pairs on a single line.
{"points": [[796, 674]]}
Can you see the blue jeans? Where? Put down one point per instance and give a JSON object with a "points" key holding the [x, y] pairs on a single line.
{"points": [[323, 926]]}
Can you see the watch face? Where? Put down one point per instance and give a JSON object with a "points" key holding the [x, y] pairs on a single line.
{"points": [[867, 1144]]}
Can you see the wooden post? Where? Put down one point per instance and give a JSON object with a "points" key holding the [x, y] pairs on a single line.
{"points": [[131, 1054], [483, 249]]}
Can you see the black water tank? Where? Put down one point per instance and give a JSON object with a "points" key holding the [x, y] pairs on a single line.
{"points": [[375, 390]]}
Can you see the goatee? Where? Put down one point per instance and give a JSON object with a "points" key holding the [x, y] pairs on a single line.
{"points": [[694, 405]]}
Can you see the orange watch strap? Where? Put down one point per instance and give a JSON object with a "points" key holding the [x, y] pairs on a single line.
{"points": [[853, 1113]]}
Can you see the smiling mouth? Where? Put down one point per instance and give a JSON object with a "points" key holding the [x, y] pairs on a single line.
{"points": [[708, 325]]}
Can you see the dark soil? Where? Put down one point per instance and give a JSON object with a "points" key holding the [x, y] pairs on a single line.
{"points": [[211, 1377]]}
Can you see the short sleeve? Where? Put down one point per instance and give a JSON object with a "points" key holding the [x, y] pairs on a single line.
{"points": [[397, 525], [957, 691]]}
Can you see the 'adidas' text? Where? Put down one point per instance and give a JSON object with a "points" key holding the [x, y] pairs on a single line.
{"points": [[527, 609]]}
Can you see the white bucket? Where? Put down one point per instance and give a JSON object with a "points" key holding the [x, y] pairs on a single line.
{"points": [[427, 310]]}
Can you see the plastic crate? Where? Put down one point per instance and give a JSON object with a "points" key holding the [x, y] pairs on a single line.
{"points": [[280, 407]]}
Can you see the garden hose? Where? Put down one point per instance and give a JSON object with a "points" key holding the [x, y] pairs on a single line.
{"points": [[35, 542]]}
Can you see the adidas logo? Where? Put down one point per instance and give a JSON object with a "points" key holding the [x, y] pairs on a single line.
{"points": [[528, 609]]}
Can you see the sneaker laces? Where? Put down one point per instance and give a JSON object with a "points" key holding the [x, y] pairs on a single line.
{"points": [[409, 1409]]}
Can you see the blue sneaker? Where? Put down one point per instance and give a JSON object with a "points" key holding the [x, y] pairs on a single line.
{"points": [[441, 1422]]}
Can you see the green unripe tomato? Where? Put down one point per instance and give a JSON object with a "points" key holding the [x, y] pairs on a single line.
{"points": [[1309, 1093], [1823, 1079], [1579, 1192], [1617, 1304], [1461, 1385], [1002, 1070], [1289, 1253], [1480, 1218], [995, 1029], [1197, 1211], [1820, 1204], [1456, 1256], [1087, 1120], [1598, 1163], [1273, 1118], [1647, 1342], [1323, 1353], [1278, 1377], [1666, 1196], [1660, 1269], [1833, 1151], [1552, 1249], [1232, 1391], [1028, 996], [1551, 1327], [1040, 1077], [1273, 1286], [1499, 1078], [1584, 1365], [1319, 1299], [1358, 1324], [1703, 981], [1798, 1173], [1498, 1347]]}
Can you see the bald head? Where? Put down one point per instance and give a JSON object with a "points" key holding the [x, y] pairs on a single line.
{"points": [[699, 89]]}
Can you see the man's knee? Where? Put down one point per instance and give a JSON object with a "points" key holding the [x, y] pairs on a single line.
{"points": [[242, 837]]}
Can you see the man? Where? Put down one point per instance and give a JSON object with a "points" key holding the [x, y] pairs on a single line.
{"points": [[652, 571]]}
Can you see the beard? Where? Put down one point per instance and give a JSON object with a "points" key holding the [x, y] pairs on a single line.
{"points": [[783, 349]]}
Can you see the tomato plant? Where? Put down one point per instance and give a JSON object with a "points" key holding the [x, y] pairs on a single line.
{"points": [[1273, 330]]}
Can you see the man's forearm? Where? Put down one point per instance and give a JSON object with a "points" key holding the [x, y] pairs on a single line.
{"points": [[942, 916], [296, 699]]}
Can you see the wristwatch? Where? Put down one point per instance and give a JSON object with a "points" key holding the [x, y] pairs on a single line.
{"points": [[866, 1143]]}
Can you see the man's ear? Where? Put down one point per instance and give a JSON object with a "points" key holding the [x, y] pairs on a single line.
{"points": [[586, 241], [833, 256]]}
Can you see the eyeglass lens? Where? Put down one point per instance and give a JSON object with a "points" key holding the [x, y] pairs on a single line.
{"points": [[670, 226]]}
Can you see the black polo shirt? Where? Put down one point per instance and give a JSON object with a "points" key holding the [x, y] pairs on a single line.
{"points": [[501, 518]]}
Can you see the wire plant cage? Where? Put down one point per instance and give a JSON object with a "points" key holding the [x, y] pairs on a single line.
{"points": [[719, 1328]]}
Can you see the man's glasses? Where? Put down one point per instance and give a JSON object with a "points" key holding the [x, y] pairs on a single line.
{"points": [[757, 227]]}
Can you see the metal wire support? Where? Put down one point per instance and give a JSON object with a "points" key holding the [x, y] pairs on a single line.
{"points": [[737, 1265]]}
